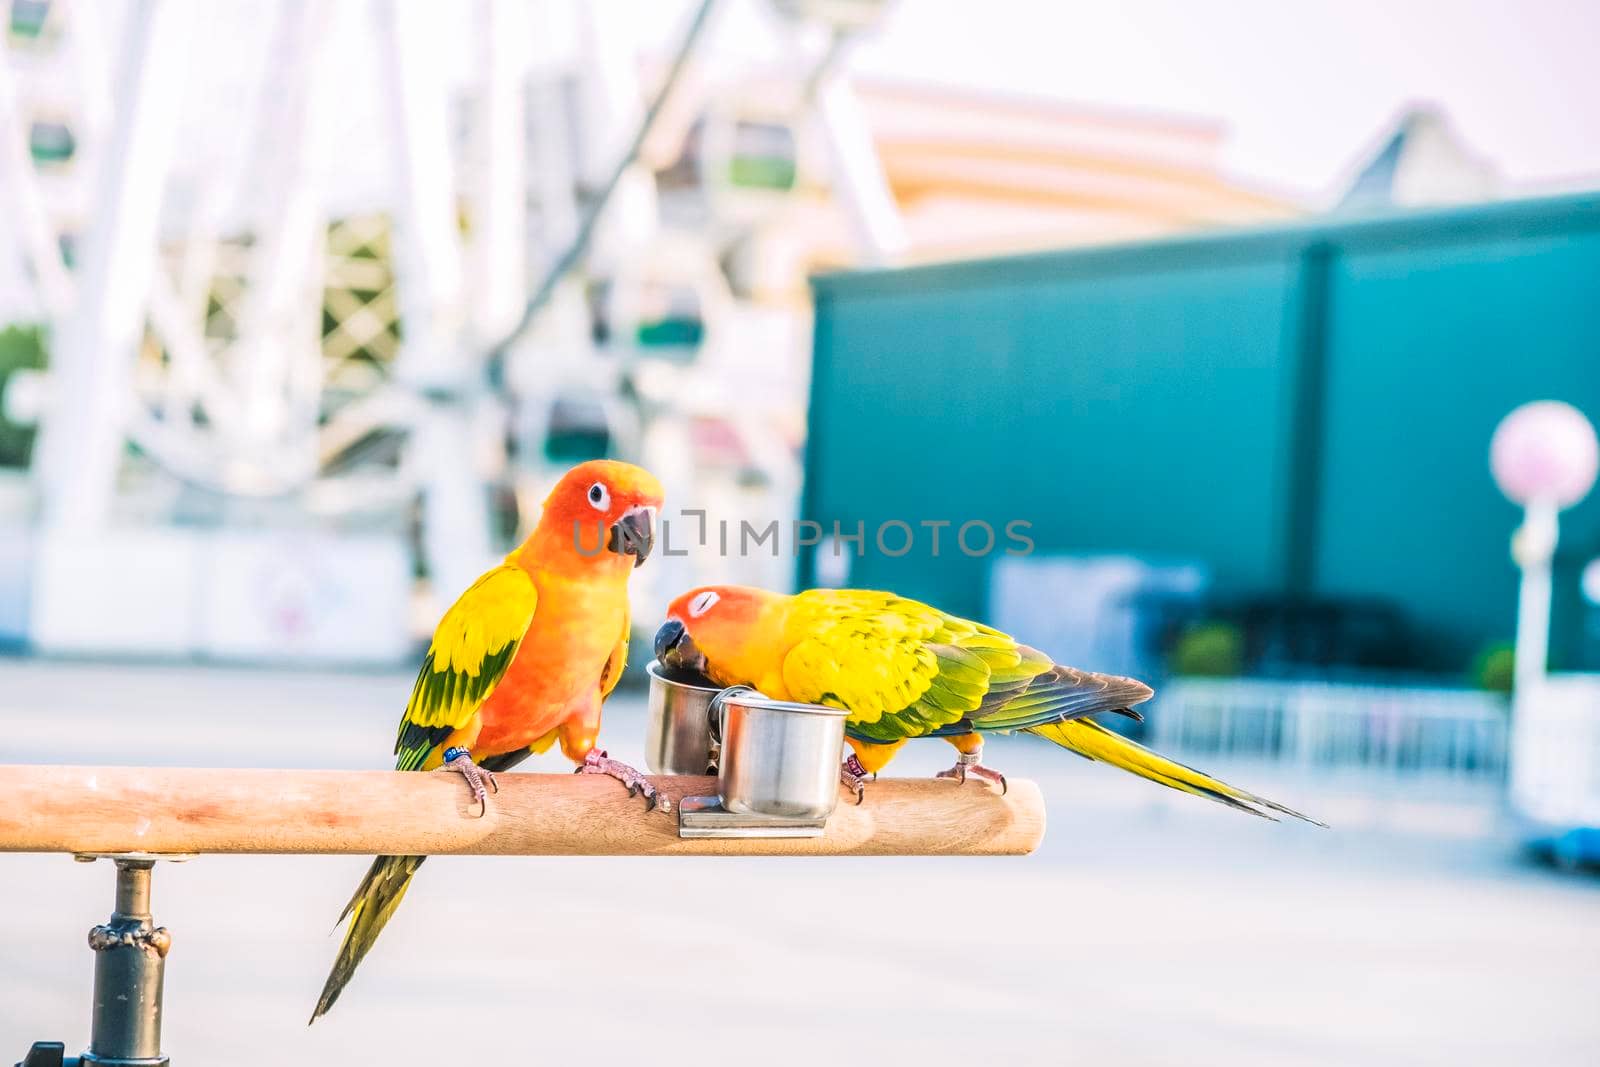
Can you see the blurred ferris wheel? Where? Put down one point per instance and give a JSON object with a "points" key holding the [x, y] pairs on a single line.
{"points": [[324, 253]]}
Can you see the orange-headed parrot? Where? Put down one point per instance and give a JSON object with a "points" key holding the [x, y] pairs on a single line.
{"points": [[520, 662], [902, 670]]}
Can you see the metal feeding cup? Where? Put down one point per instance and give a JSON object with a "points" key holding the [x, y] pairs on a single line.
{"points": [[678, 735], [777, 761]]}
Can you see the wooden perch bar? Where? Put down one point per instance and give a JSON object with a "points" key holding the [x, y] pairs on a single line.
{"points": [[181, 810]]}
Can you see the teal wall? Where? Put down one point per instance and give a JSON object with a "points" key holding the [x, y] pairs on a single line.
{"points": [[1303, 409]]}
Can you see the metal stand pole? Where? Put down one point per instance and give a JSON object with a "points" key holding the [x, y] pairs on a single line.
{"points": [[129, 964]]}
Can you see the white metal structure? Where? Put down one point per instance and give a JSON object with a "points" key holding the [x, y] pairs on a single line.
{"points": [[250, 417], [487, 169], [81, 440]]}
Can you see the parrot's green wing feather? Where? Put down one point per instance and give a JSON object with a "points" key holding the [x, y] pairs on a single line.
{"points": [[472, 647], [904, 669], [1057, 694]]}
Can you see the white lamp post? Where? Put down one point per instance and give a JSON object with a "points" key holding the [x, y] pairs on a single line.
{"points": [[1544, 456]]}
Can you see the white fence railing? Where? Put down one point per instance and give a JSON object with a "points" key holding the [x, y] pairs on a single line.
{"points": [[1391, 731]]}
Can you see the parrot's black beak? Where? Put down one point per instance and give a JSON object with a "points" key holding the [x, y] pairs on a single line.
{"points": [[634, 534], [676, 650], [668, 638]]}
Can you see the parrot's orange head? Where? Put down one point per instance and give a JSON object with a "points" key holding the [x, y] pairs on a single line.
{"points": [[708, 629], [605, 508]]}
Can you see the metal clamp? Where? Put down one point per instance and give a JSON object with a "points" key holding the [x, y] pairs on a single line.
{"points": [[701, 817]]}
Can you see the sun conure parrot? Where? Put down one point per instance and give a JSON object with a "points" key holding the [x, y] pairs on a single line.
{"points": [[520, 662], [902, 670]]}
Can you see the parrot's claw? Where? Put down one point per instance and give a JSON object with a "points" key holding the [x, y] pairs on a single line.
{"points": [[854, 777], [597, 762], [479, 779], [967, 766]]}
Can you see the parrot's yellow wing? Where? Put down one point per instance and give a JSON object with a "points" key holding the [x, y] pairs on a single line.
{"points": [[904, 669], [472, 647], [899, 667]]}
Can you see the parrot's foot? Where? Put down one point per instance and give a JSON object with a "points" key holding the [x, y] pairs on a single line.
{"points": [[967, 766], [597, 762], [479, 780], [854, 776]]}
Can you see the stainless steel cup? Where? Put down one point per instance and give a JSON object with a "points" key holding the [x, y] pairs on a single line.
{"points": [[779, 759], [678, 736]]}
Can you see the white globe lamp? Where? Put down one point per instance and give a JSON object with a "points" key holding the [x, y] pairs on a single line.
{"points": [[1544, 456]]}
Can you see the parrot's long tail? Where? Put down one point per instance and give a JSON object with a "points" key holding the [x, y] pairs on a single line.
{"points": [[375, 900], [1088, 738]]}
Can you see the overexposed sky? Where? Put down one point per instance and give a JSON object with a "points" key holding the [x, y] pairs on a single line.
{"points": [[1304, 87]]}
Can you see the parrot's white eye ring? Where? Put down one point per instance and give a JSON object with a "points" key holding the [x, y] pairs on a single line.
{"points": [[599, 496], [702, 603]]}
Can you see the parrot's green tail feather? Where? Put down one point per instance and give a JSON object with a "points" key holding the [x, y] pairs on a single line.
{"points": [[369, 909], [1090, 739]]}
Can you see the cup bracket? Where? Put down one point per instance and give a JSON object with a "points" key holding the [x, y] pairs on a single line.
{"points": [[703, 817]]}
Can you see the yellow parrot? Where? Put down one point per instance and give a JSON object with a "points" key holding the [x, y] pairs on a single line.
{"points": [[904, 670], [520, 662]]}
